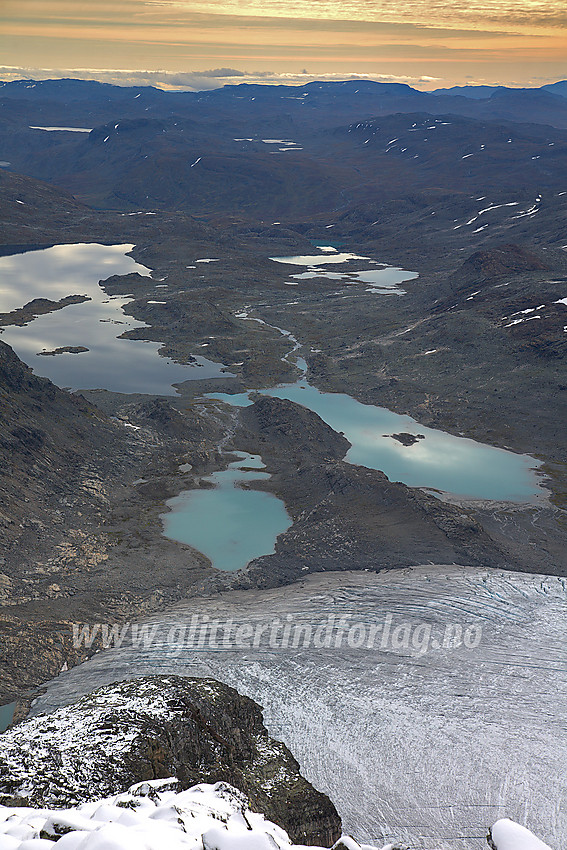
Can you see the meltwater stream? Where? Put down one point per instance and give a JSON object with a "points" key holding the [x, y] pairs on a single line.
{"points": [[434, 460], [415, 738], [431, 459]]}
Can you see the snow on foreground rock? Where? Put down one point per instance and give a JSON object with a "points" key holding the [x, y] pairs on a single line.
{"points": [[154, 815], [149, 816], [507, 835]]}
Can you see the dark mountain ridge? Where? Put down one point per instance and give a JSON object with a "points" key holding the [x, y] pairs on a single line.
{"points": [[202, 162], [57, 100]]}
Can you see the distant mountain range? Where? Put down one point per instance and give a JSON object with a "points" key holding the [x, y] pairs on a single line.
{"points": [[485, 92], [544, 105], [281, 151]]}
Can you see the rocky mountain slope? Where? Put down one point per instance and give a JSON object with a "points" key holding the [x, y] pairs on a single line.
{"points": [[65, 526]]}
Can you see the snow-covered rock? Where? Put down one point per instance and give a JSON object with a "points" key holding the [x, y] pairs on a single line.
{"points": [[197, 730], [156, 815], [151, 815], [507, 835]]}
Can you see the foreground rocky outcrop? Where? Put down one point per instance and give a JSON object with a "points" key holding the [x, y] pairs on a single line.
{"points": [[155, 815], [197, 730], [150, 815]]}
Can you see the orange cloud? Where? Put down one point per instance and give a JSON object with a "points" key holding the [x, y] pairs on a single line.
{"points": [[514, 39]]}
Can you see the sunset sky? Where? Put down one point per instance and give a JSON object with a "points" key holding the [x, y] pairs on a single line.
{"points": [[428, 43]]}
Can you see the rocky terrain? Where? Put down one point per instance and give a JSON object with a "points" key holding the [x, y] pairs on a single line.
{"points": [[68, 521], [464, 191], [196, 730], [347, 517]]}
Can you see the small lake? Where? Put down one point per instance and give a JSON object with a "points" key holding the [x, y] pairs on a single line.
{"points": [[379, 279], [6, 715], [227, 523], [436, 460], [110, 363]]}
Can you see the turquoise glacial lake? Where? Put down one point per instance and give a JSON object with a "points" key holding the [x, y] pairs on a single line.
{"points": [[229, 524], [437, 461]]}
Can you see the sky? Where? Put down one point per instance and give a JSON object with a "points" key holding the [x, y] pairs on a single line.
{"points": [[201, 45]]}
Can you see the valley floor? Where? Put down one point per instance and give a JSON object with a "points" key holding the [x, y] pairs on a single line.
{"points": [[410, 744]]}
